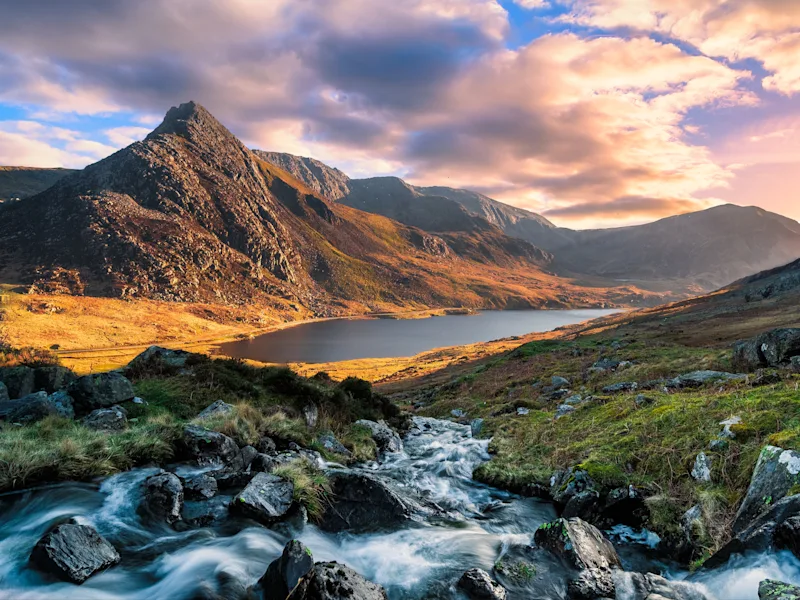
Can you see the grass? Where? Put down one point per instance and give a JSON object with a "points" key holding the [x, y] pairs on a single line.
{"points": [[618, 442], [310, 486]]}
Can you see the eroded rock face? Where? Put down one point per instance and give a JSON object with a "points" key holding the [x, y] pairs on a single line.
{"points": [[769, 589], [266, 498], [284, 573], [208, 447], [162, 498], [477, 584], [385, 437], [775, 473], [74, 553], [360, 502], [334, 581], [101, 390], [583, 547], [107, 419]]}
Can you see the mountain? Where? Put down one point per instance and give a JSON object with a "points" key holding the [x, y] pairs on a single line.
{"points": [[692, 252], [21, 182], [710, 248], [191, 214]]}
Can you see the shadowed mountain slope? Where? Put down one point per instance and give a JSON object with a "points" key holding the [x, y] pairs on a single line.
{"points": [[21, 182]]}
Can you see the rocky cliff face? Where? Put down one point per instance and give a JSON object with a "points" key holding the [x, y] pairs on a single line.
{"points": [[324, 180]]}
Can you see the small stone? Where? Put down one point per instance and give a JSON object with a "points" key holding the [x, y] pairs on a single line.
{"points": [[718, 445], [476, 426], [216, 409], [265, 445], [521, 411], [458, 413], [559, 382], [702, 468], [642, 400], [107, 419], [625, 386], [563, 410]]}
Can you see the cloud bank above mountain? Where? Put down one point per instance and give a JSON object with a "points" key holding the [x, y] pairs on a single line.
{"points": [[594, 112]]}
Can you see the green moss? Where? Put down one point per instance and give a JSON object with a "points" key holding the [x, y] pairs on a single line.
{"points": [[310, 485]]}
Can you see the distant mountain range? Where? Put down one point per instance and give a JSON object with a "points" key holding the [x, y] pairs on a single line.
{"points": [[702, 250], [191, 214]]}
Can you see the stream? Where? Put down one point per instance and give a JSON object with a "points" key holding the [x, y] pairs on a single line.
{"points": [[488, 527]]}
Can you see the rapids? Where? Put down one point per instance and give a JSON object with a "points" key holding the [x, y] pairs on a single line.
{"points": [[486, 526]]}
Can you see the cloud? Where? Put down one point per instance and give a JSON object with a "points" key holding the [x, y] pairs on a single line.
{"points": [[426, 88], [767, 31], [34, 144]]}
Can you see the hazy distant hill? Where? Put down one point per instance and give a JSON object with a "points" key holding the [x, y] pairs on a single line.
{"points": [[702, 250], [21, 182]]}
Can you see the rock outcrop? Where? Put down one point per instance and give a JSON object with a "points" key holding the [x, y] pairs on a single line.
{"points": [[334, 581], [74, 553]]}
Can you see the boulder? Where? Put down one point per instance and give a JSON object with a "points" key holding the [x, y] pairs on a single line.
{"points": [[285, 572], [246, 456], [649, 586], [74, 553], [701, 471], [583, 547], [769, 589], [778, 346], [359, 502], [328, 441], [207, 447], [266, 498], [157, 359], [566, 483], [476, 426], [697, 379], [585, 505], [100, 391], [787, 535], [107, 419], [385, 437], [4, 396], [477, 584], [263, 463], [162, 498], [52, 378], [559, 382], [65, 405], [747, 355], [19, 381], [774, 528], [29, 409], [458, 413], [775, 473], [618, 388], [562, 410], [625, 506], [200, 487], [204, 513], [334, 581], [216, 409], [795, 364], [232, 478], [605, 364], [265, 445], [642, 400]]}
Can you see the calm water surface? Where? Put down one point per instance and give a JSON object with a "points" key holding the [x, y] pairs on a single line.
{"points": [[344, 339]]}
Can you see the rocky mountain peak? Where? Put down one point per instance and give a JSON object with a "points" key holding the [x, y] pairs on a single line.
{"points": [[188, 120]]}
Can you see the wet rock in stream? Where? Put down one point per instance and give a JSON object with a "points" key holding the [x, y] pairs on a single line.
{"points": [[334, 581], [74, 553]]}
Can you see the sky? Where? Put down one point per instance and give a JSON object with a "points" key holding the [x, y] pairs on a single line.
{"points": [[594, 113]]}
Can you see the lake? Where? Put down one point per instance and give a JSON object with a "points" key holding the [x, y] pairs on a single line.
{"points": [[347, 339]]}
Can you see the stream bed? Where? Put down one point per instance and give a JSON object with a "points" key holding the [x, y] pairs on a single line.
{"points": [[488, 528]]}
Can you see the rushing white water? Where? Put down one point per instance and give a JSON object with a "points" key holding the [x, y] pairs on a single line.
{"points": [[487, 526]]}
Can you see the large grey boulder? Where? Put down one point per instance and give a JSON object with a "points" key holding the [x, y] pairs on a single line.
{"points": [[162, 498], [360, 503], [20, 381], [328, 441], [649, 586], [100, 391], [216, 409], [334, 581], [200, 487], [266, 498], [583, 547], [29, 409], [107, 419], [157, 359], [477, 584], [285, 572], [207, 447], [774, 348], [769, 589], [65, 405], [53, 378], [74, 553], [567, 483], [775, 473], [697, 379], [385, 437]]}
